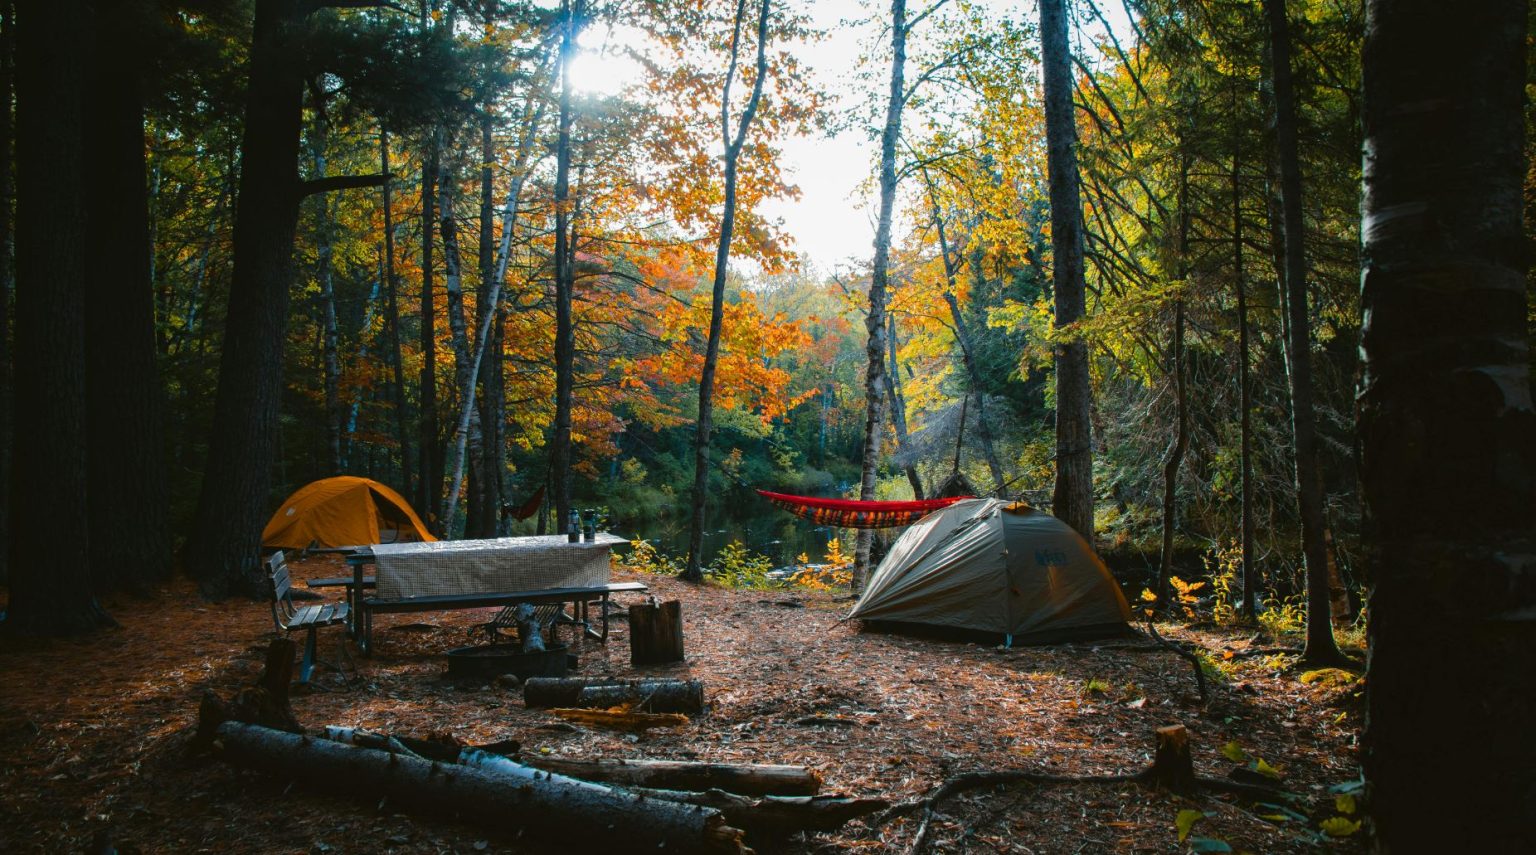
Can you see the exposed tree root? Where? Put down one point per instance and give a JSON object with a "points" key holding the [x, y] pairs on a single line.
{"points": [[1187, 656]]}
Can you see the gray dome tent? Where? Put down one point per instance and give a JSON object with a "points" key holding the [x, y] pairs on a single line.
{"points": [[989, 566]]}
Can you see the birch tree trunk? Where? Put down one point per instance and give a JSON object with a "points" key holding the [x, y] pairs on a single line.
{"points": [[732, 141], [1448, 430], [898, 407], [879, 276], [431, 459], [1072, 499], [1320, 645]]}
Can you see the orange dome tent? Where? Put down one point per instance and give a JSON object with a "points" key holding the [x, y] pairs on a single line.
{"points": [[343, 511]]}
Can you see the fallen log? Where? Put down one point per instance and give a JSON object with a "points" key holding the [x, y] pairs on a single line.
{"points": [[622, 718], [264, 702], [776, 816], [659, 695], [747, 780], [494, 791]]}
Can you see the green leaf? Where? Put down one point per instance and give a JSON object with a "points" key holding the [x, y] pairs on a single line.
{"points": [[1185, 821], [1267, 770], [1354, 788], [1208, 844], [1234, 752], [1339, 826]]}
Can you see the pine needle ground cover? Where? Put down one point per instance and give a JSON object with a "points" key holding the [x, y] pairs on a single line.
{"points": [[94, 732]]}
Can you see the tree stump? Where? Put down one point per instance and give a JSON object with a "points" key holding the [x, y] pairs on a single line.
{"points": [[656, 633], [264, 703], [1173, 768]]}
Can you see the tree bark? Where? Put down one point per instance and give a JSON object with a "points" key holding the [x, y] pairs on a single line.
{"points": [[732, 141], [391, 290], [898, 406], [431, 465], [1320, 646], [1245, 386], [656, 633], [7, 279], [879, 280], [129, 493], [325, 274], [1447, 429], [776, 816], [565, 336], [463, 375], [747, 780], [1072, 499], [50, 580], [1180, 444], [487, 788], [222, 552], [489, 376], [654, 695]]}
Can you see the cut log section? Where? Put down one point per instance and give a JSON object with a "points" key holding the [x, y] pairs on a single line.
{"points": [[621, 718], [264, 702], [658, 696], [494, 791], [1173, 768], [656, 633], [748, 780], [776, 816]]}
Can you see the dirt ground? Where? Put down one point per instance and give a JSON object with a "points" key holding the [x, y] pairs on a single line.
{"points": [[93, 733]]}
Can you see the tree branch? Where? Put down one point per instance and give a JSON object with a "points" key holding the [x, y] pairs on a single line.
{"points": [[341, 182]]}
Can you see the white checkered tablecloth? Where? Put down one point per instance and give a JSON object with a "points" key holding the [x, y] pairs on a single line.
{"points": [[447, 567]]}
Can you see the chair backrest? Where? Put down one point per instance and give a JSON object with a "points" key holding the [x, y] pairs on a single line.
{"points": [[282, 589]]}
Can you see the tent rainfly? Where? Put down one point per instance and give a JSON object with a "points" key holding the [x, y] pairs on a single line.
{"points": [[984, 565], [343, 511]]}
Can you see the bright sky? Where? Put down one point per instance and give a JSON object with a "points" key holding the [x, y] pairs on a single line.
{"points": [[833, 221]]}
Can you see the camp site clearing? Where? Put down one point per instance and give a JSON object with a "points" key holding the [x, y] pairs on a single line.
{"points": [[878, 714]]}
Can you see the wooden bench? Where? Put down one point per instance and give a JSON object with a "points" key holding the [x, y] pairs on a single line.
{"points": [[579, 596], [290, 618]]}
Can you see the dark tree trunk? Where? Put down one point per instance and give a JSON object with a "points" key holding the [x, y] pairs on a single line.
{"points": [[1072, 500], [1320, 645], [431, 449], [898, 406], [967, 352], [565, 335], [391, 291], [732, 142], [335, 422], [50, 580], [492, 395], [1180, 445], [879, 282], [129, 491], [7, 280], [1447, 430], [463, 374], [1245, 383], [222, 551]]}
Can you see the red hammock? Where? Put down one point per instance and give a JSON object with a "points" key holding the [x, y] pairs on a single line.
{"points": [[850, 513]]}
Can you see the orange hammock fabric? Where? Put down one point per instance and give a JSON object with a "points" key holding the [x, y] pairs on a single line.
{"points": [[850, 513]]}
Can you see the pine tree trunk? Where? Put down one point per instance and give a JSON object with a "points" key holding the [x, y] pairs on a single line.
{"points": [[129, 490], [222, 552], [490, 374], [324, 274], [1320, 645], [431, 462], [1175, 458], [7, 280], [391, 290], [463, 376], [50, 580], [879, 278], [565, 341], [1448, 430], [1245, 383], [1072, 500]]}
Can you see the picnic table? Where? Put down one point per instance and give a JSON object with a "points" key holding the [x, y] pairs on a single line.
{"points": [[460, 574]]}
